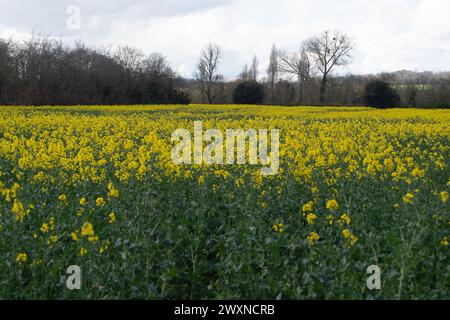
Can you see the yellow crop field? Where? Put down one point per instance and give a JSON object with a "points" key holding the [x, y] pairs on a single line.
{"points": [[97, 187]]}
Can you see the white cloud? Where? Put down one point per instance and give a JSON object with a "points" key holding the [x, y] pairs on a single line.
{"points": [[389, 34], [431, 18], [13, 34]]}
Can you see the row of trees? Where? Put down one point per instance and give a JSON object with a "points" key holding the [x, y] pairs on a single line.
{"points": [[42, 71], [305, 77], [317, 55]]}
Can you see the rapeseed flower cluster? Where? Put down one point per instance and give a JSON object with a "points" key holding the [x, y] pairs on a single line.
{"points": [[80, 159]]}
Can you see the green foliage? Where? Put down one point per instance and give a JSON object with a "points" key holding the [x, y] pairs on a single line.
{"points": [[248, 92], [379, 94]]}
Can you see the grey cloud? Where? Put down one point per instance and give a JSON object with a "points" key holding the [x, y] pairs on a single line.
{"points": [[389, 34], [50, 16]]}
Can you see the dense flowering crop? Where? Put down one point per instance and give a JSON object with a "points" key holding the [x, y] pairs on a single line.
{"points": [[96, 186]]}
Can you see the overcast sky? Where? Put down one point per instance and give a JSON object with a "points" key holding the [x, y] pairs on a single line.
{"points": [[390, 35]]}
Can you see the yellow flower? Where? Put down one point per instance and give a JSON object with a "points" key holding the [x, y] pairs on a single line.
{"points": [[444, 196], [346, 233], [418, 173], [345, 219], [100, 202], [112, 217], [408, 198], [36, 262], [93, 238], [310, 218], [444, 242], [350, 237], [82, 201], [389, 164], [104, 247], [332, 205], [308, 207], [39, 177], [22, 258], [330, 219], [44, 228], [278, 228], [19, 210], [87, 229], [113, 192], [52, 240], [62, 198], [313, 237], [74, 236], [239, 182], [83, 251]]}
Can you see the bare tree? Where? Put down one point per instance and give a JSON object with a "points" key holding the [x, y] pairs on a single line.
{"points": [[296, 65], [272, 71], [245, 74], [129, 58], [329, 50], [207, 73], [253, 72], [250, 73], [156, 65]]}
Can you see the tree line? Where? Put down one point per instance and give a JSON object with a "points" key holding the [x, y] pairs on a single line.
{"points": [[44, 71], [305, 77]]}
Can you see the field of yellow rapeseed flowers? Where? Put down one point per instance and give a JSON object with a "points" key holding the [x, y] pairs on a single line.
{"points": [[96, 187]]}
